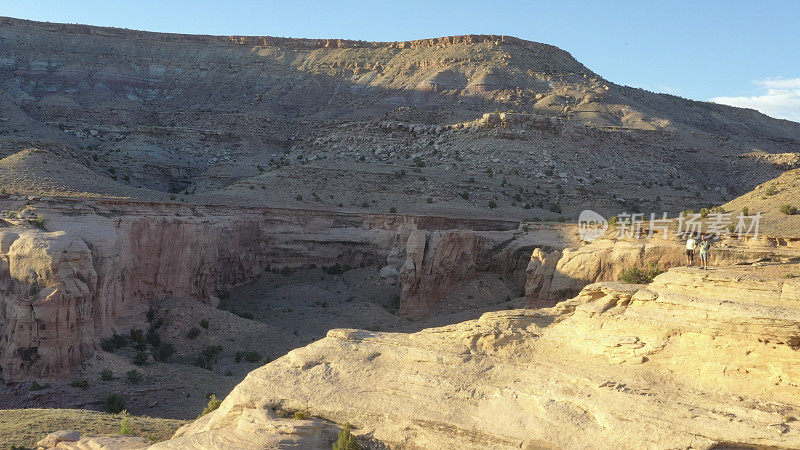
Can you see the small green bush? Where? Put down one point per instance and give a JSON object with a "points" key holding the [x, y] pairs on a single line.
{"points": [[211, 351], [193, 333], [252, 356], [115, 403], [125, 426], [38, 222], [140, 359], [106, 375], [134, 376], [789, 210], [115, 342], [137, 336], [346, 440], [704, 212], [771, 190], [392, 210], [213, 404], [635, 275], [153, 338], [82, 383], [35, 386], [247, 315], [492, 205], [204, 323], [300, 415], [163, 352]]}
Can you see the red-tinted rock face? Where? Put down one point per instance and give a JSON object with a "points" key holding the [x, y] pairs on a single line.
{"points": [[64, 290]]}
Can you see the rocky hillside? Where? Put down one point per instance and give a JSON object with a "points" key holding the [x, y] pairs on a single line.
{"points": [[465, 125], [777, 200]]}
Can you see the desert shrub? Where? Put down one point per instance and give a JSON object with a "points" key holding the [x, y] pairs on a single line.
{"points": [[635, 275], [392, 210], [771, 190], [346, 440], [134, 376], [429, 200], [115, 342], [704, 212], [465, 195], [492, 205], [228, 373], [38, 221], [106, 375], [299, 198], [336, 269], [115, 403], [151, 314], [746, 211], [238, 357], [82, 383], [246, 315], [204, 323], [163, 352], [124, 425], [789, 210], [207, 358], [252, 356], [193, 333], [153, 338], [213, 404], [35, 386], [211, 351], [137, 336], [140, 359], [300, 415]]}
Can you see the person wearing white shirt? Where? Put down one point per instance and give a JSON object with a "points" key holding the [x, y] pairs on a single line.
{"points": [[691, 245]]}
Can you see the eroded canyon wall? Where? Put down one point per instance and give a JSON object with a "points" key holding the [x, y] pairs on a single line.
{"points": [[97, 266]]}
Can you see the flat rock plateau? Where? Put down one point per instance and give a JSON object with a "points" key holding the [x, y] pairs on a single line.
{"points": [[314, 237]]}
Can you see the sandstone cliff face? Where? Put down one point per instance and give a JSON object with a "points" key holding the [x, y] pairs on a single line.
{"points": [[695, 360], [555, 276], [437, 262], [62, 291]]}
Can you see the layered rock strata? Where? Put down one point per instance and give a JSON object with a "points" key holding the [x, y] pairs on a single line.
{"points": [[694, 360]]}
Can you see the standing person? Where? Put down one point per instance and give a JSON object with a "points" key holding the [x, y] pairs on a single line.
{"points": [[691, 245], [705, 248]]}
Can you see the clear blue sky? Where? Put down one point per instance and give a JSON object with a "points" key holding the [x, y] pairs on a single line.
{"points": [[702, 49]]}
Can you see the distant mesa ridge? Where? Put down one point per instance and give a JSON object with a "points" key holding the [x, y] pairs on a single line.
{"points": [[277, 41]]}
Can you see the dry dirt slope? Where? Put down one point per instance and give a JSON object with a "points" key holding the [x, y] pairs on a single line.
{"points": [[768, 199]]}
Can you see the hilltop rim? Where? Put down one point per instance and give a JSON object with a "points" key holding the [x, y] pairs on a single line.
{"points": [[99, 30]]}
